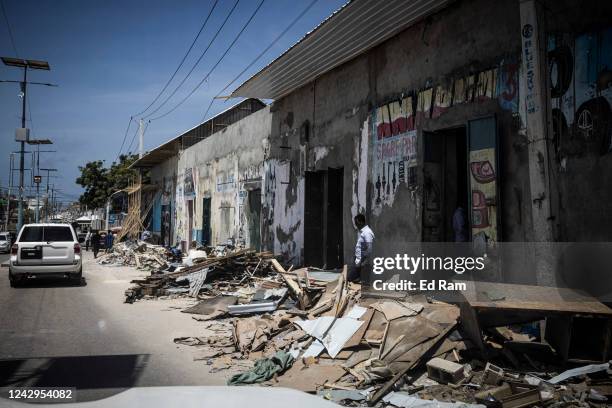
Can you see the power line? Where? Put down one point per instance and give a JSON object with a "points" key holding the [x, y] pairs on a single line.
{"points": [[182, 61], [14, 45], [196, 63], [8, 26], [261, 54], [133, 137], [124, 137], [170, 80], [214, 66]]}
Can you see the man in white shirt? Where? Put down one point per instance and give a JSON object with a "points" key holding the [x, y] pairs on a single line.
{"points": [[363, 250]]}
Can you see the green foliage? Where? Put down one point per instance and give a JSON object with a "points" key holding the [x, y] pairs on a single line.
{"points": [[100, 182]]}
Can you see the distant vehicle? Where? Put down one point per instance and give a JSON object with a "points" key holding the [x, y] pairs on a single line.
{"points": [[45, 250], [5, 242]]}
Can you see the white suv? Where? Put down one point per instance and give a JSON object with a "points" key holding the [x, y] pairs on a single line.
{"points": [[45, 249], [5, 242]]}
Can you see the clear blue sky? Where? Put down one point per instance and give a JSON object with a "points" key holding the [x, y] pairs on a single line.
{"points": [[111, 58]]}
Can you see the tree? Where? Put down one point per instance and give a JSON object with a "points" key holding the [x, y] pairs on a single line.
{"points": [[100, 182]]}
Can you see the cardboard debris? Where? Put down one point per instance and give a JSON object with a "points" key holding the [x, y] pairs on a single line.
{"points": [[359, 351]]}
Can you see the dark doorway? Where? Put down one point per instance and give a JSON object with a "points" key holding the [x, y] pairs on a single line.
{"points": [[333, 240], [445, 184], [455, 179], [189, 236], [313, 218], [323, 232], [254, 219], [206, 221]]}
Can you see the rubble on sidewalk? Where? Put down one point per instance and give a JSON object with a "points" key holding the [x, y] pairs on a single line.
{"points": [[136, 253], [313, 331]]}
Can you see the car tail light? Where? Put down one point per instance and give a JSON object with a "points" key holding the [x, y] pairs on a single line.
{"points": [[77, 249], [14, 249]]}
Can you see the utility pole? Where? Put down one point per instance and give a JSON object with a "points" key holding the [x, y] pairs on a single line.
{"points": [[22, 135], [52, 203], [37, 177], [10, 186], [47, 204], [140, 138]]}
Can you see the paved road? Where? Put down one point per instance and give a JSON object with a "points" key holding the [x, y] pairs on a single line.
{"points": [[57, 334]]}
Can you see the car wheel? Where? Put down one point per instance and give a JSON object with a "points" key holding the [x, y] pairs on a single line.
{"points": [[14, 282], [77, 277]]}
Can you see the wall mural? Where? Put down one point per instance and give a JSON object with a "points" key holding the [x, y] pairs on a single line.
{"points": [[483, 189], [393, 130], [394, 158], [580, 69]]}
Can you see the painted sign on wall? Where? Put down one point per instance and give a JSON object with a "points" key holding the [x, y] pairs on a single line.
{"points": [[392, 157], [189, 185]]}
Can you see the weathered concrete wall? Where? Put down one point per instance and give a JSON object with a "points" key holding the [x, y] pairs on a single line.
{"points": [[580, 60], [224, 167], [329, 124], [164, 176]]}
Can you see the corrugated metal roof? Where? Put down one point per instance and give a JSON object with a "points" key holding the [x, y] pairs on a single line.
{"points": [[355, 28]]}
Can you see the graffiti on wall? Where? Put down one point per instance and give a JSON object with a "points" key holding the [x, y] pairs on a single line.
{"points": [[393, 130], [394, 158], [483, 195], [580, 70]]}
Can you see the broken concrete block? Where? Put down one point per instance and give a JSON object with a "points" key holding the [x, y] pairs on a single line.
{"points": [[444, 371], [492, 374]]}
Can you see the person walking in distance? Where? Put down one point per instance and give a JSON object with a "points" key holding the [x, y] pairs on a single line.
{"points": [[95, 243], [87, 240], [363, 251], [109, 241]]}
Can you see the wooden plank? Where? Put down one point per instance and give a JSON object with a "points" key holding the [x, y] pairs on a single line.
{"points": [[532, 298]]}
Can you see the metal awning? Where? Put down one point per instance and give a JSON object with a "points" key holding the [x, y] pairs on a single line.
{"points": [[352, 30]]}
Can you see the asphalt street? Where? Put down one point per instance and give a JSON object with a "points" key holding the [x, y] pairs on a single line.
{"points": [[57, 334]]}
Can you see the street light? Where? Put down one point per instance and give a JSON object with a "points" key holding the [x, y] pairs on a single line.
{"points": [[37, 178], [25, 64]]}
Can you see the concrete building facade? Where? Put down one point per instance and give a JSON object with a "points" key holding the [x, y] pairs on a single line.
{"points": [[501, 108]]}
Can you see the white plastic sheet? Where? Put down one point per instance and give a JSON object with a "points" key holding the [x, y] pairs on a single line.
{"points": [[341, 331]]}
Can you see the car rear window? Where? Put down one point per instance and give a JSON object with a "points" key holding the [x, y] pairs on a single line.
{"points": [[57, 234], [31, 234], [2, 237]]}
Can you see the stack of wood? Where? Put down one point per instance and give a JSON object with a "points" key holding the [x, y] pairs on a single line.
{"points": [[228, 272]]}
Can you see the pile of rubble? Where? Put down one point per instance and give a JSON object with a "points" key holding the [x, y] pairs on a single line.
{"points": [[136, 253], [314, 331], [228, 271]]}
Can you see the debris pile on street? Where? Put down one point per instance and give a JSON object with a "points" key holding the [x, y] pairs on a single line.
{"points": [[136, 253], [312, 330], [230, 273]]}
